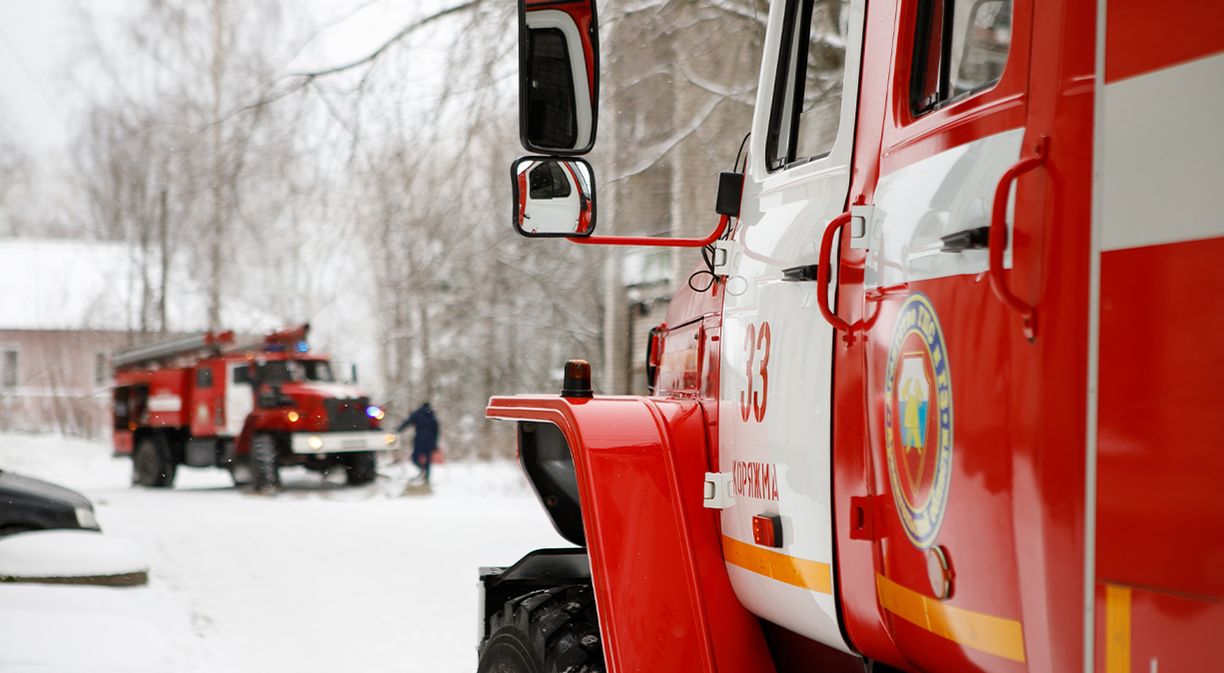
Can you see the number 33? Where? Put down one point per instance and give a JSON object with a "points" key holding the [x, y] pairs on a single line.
{"points": [[754, 398]]}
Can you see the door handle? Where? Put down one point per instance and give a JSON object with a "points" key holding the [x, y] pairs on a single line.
{"points": [[798, 274], [998, 238], [823, 264]]}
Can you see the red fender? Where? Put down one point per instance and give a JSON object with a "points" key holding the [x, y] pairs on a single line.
{"points": [[641, 464]]}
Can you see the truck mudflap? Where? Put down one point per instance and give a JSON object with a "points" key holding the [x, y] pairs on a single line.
{"points": [[310, 443], [640, 465]]}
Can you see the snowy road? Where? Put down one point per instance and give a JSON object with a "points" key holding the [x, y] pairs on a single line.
{"points": [[319, 578]]}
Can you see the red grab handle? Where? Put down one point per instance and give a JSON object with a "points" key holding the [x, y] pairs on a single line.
{"points": [[823, 262], [998, 239]]}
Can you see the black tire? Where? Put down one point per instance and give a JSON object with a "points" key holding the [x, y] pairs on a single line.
{"points": [[549, 631], [153, 462], [265, 463], [360, 468]]}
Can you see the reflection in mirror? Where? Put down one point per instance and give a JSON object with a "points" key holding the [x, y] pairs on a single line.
{"points": [[987, 39], [557, 58], [553, 197]]}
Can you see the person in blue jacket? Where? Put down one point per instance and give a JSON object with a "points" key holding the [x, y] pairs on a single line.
{"points": [[425, 442]]}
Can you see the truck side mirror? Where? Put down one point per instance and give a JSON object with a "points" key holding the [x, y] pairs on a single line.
{"points": [[553, 197], [558, 76]]}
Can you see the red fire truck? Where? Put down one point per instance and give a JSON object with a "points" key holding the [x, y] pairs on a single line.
{"points": [[952, 402], [203, 401]]}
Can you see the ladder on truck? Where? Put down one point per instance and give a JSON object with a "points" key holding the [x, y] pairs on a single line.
{"points": [[158, 353]]}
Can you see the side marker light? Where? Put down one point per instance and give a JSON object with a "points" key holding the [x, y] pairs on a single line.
{"points": [[767, 530]]}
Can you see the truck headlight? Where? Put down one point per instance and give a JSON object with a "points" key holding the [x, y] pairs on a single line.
{"points": [[390, 439], [315, 442], [85, 517]]}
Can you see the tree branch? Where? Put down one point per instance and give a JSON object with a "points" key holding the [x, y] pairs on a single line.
{"points": [[404, 32]]}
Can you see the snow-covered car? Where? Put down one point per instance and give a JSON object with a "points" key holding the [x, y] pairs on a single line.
{"points": [[33, 504]]}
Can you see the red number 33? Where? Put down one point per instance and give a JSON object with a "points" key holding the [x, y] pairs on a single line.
{"points": [[756, 395]]}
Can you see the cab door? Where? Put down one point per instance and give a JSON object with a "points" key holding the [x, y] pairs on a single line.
{"points": [[940, 374], [777, 351], [239, 397], [206, 399]]}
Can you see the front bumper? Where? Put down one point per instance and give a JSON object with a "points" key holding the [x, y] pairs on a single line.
{"points": [[311, 443]]}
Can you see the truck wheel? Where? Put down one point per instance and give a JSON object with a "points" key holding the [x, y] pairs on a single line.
{"points": [[153, 462], [360, 468], [265, 464], [547, 631]]}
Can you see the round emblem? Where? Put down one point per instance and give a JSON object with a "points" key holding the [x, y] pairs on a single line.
{"points": [[918, 420]]}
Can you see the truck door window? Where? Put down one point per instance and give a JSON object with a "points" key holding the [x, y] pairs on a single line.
{"points": [[547, 181], [274, 373], [318, 370], [960, 48], [204, 378], [808, 88]]}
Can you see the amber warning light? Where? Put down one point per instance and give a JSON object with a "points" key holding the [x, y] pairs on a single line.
{"points": [[577, 381]]}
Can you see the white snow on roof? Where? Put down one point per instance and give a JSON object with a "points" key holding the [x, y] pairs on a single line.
{"points": [[93, 285]]}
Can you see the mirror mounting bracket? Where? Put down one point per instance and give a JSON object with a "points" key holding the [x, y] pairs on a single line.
{"points": [[659, 241]]}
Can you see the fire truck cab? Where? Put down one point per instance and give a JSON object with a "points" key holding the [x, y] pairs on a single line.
{"points": [[952, 402], [202, 402]]}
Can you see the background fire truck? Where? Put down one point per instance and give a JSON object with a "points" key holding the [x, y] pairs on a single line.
{"points": [[952, 401], [202, 401]]}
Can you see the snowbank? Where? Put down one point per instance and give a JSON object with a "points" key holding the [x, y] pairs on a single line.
{"points": [[320, 578], [81, 556]]}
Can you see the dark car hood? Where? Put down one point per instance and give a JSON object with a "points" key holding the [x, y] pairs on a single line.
{"points": [[16, 486]]}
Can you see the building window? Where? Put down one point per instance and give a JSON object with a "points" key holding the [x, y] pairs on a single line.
{"points": [[960, 48], [8, 369], [101, 375]]}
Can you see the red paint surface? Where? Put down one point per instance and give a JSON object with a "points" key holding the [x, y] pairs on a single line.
{"points": [[1144, 37], [1013, 527], [1177, 633], [857, 561], [664, 600], [1161, 451]]}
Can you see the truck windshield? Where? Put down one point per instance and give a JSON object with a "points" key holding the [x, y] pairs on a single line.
{"points": [[285, 371]]}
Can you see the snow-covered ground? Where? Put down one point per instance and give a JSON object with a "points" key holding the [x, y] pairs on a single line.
{"points": [[319, 578]]}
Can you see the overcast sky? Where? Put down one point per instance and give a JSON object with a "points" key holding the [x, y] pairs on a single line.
{"points": [[38, 40]]}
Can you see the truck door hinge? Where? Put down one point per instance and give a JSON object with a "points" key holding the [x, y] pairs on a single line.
{"points": [[718, 490], [724, 255], [862, 220], [865, 521]]}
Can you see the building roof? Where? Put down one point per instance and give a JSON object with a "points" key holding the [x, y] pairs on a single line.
{"points": [[92, 285]]}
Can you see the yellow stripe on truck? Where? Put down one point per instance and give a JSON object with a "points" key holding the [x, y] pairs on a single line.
{"points": [[985, 633], [1117, 629], [811, 575]]}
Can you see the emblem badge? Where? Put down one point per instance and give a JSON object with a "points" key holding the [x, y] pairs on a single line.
{"points": [[918, 420]]}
